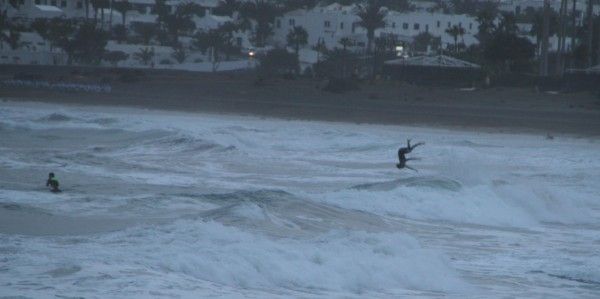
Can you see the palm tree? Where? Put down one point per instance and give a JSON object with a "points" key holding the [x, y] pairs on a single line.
{"points": [[3, 25], [15, 3], [590, 32], [122, 7], [56, 31], [87, 9], [214, 40], [146, 31], [227, 7], [345, 42], [110, 4], [297, 37], [537, 28], [115, 56], [320, 48], [508, 24], [372, 17], [455, 31], [13, 39], [264, 13], [145, 55], [104, 4], [96, 4], [545, 34], [573, 26], [562, 25], [162, 10], [422, 42], [230, 47], [119, 33], [486, 19], [598, 48], [181, 20], [100, 4]]}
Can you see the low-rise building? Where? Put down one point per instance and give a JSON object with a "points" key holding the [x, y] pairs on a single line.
{"points": [[331, 23], [33, 9], [324, 24], [32, 49], [435, 23]]}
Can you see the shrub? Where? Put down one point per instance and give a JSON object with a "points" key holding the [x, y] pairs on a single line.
{"points": [[115, 56], [278, 62]]}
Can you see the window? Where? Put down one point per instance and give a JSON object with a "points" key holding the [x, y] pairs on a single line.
{"points": [[63, 3], [37, 2], [292, 22], [79, 5], [404, 26], [426, 27], [449, 25], [438, 24], [53, 2], [342, 25], [394, 25], [416, 26], [470, 26], [327, 24]]}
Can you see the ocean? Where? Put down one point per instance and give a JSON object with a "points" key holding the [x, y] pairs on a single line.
{"points": [[188, 205]]}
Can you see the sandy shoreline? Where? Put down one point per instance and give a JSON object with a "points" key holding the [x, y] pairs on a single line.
{"points": [[496, 109]]}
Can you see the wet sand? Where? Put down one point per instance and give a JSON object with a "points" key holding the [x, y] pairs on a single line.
{"points": [[384, 102]]}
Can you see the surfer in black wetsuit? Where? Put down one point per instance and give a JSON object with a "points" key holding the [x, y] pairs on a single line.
{"points": [[402, 155], [52, 182]]}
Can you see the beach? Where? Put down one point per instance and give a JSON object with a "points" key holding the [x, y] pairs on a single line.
{"points": [[499, 109]]}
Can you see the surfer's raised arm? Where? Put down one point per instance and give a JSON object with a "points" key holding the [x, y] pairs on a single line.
{"points": [[415, 145]]}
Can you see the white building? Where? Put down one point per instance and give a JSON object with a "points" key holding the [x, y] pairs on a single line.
{"points": [[414, 23], [326, 24], [423, 5], [33, 9], [521, 6], [331, 23], [33, 49], [147, 6], [209, 22]]}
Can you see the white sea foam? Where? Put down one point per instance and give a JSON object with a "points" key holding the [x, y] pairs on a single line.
{"points": [[241, 206]]}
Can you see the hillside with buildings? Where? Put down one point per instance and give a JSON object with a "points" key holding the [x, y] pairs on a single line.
{"points": [[341, 39]]}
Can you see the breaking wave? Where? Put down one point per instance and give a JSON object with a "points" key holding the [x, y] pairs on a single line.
{"points": [[418, 181], [211, 206]]}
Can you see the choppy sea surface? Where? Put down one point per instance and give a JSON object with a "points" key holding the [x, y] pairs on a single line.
{"points": [[177, 205]]}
